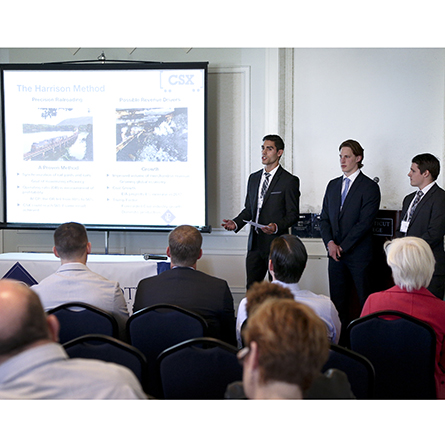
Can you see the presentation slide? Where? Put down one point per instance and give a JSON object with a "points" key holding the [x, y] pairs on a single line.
{"points": [[105, 147]]}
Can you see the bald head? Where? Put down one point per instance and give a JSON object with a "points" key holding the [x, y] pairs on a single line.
{"points": [[23, 321]]}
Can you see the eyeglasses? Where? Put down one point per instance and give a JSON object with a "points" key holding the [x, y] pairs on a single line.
{"points": [[242, 354]]}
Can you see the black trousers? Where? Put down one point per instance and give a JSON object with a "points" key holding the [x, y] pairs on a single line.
{"points": [[257, 263]]}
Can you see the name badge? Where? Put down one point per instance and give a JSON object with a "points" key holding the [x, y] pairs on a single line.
{"points": [[404, 226]]}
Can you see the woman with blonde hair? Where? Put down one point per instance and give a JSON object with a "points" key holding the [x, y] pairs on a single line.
{"points": [[412, 264]]}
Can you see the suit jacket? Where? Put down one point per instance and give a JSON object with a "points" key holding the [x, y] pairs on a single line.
{"points": [[350, 227], [76, 282], [428, 222], [423, 305], [280, 206], [195, 291]]}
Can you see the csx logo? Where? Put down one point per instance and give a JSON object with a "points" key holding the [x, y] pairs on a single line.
{"points": [[181, 79]]}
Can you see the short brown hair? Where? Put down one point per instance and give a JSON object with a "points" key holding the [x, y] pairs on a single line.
{"points": [[291, 339], [70, 239], [427, 161], [185, 245], [260, 292], [356, 148]]}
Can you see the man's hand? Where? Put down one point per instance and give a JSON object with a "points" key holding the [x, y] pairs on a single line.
{"points": [[228, 224], [270, 229], [334, 251]]}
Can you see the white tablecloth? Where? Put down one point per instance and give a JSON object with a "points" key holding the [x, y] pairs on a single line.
{"points": [[128, 270]]}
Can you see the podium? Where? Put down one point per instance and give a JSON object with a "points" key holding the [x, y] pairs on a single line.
{"points": [[385, 227]]}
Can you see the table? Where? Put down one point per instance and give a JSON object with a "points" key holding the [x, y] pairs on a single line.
{"points": [[128, 270]]}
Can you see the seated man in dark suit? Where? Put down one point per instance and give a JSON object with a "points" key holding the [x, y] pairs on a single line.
{"points": [[189, 288]]}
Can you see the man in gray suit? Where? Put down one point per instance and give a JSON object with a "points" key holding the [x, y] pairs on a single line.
{"points": [[423, 214], [74, 281]]}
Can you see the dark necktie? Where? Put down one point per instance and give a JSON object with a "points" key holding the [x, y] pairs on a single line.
{"points": [[419, 194], [345, 191]]}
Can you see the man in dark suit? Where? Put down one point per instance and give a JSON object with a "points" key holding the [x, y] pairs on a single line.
{"points": [[189, 288], [273, 194], [346, 229], [423, 214]]}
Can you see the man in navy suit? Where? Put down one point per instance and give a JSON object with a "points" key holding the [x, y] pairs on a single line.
{"points": [[423, 214], [272, 200], [184, 286], [346, 229]]}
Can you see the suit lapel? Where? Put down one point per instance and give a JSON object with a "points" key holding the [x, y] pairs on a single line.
{"points": [[423, 202], [255, 187], [276, 176]]}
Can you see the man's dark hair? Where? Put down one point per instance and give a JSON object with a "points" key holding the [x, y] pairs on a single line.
{"points": [[427, 161], [289, 258], [356, 148], [185, 245], [30, 328], [279, 143], [70, 239]]}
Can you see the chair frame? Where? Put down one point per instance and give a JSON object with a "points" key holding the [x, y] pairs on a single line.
{"points": [[362, 360], [91, 308], [206, 342], [174, 307], [119, 344], [152, 373], [398, 314]]}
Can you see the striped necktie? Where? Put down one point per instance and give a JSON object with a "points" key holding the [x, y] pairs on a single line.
{"points": [[265, 185], [419, 194]]}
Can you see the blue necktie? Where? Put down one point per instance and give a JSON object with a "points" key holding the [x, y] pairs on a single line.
{"points": [[345, 191]]}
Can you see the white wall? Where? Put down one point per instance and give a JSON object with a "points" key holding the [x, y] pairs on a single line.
{"points": [[391, 100]]}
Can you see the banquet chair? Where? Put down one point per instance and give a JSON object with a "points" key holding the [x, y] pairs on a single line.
{"points": [[77, 319], [199, 368], [358, 369], [402, 350], [158, 327], [109, 349]]}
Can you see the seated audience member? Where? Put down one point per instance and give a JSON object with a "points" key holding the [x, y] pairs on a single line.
{"points": [[74, 281], [34, 366], [255, 295], [287, 261], [184, 286], [286, 349], [412, 264]]}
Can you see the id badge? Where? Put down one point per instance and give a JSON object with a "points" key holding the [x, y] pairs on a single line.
{"points": [[404, 226]]}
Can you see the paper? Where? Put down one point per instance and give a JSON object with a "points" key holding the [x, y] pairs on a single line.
{"points": [[254, 224]]}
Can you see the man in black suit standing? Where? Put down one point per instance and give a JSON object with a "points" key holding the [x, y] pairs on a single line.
{"points": [[423, 214], [184, 286], [350, 205], [272, 200]]}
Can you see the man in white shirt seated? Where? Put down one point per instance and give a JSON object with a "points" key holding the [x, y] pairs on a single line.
{"points": [[34, 366], [75, 282], [287, 261]]}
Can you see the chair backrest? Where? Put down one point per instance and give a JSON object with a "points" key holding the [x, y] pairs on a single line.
{"points": [[358, 369], [109, 349], [199, 368], [158, 327], [77, 319], [402, 350]]}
